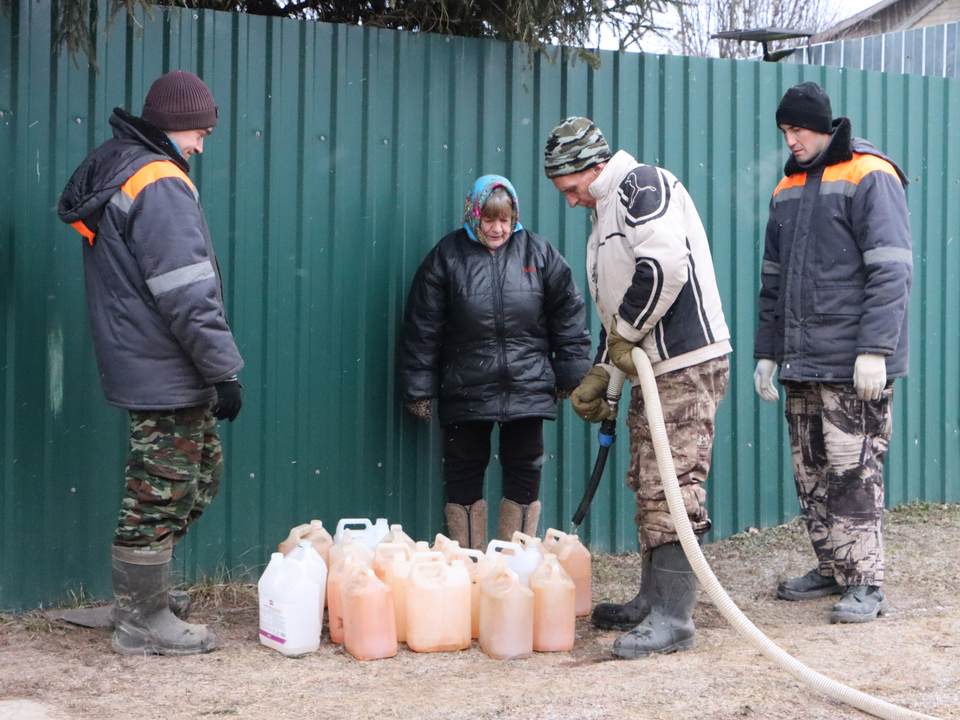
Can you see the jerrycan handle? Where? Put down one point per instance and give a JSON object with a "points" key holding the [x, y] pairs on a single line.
{"points": [[391, 550], [428, 557], [554, 533], [474, 556], [525, 540], [418, 569], [501, 545], [344, 522]]}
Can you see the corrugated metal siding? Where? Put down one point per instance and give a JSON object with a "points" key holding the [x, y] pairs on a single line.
{"points": [[929, 50], [342, 155]]}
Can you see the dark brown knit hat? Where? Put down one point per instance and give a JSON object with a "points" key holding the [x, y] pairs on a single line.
{"points": [[180, 100]]}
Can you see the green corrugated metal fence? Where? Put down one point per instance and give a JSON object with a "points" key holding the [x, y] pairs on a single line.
{"points": [[342, 155]]}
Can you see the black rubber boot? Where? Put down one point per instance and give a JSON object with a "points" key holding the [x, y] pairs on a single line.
{"points": [[144, 623], [611, 616], [859, 604], [669, 626], [809, 586]]}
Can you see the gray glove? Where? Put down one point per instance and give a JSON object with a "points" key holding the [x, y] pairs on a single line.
{"points": [[869, 376], [763, 380]]}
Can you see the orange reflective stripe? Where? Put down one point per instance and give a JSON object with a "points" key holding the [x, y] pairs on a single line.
{"points": [[791, 181], [83, 230], [854, 170], [150, 174]]}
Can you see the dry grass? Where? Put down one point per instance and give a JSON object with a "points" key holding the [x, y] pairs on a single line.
{"points": [[910, 657]]}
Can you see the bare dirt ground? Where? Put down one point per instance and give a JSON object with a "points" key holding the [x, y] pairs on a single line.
{"points": [[911, 657]]}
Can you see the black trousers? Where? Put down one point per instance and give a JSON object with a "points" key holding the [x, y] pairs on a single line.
{"points": [[466, 453]]}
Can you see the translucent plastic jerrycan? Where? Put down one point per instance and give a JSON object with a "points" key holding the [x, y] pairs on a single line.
{"points": [[575, 559], [315, 533], [385, 553], [397, 535], [438, 607], [289, 607], [445, 545], [347, 538], [369, 632], [316, 568], [522, 560], [478, 567], [506, 615], [341, 571], [526, 541], [550, 540], [372, 533], [554, 604], [396, 574]]}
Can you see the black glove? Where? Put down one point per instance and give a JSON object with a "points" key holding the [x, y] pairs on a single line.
{"points": [[229, 400]]}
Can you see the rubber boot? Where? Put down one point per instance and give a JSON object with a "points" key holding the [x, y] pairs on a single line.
{"points": [[669, 626], [514, 516], [144, 623], [467, 524], [611, 616]]}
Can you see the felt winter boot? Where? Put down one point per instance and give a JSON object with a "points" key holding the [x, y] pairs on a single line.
{"points": [[514, 516], [669, 626], [144, 623], [611, 616], [467, 524]]}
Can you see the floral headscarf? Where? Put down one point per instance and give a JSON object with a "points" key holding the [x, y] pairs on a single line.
{"points": [[477, 197]]}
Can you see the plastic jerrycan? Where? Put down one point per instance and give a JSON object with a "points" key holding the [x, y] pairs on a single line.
{"points": [[289, 607], [478, 566], [315, 533], [575, 559], [397, 535], [521, 560], [369, 631], [446, 546], [364, 553], [385, 552], [438, 607], [506, 615], [372, 533], [550, 540], [396, 573], [554, 603], [526, 541], [338, 576], [316, 568]]}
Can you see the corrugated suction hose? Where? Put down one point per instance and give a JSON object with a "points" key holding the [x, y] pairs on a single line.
{"points": [[731, 612]]}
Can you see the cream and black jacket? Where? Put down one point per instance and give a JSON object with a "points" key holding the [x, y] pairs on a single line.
{"points": [[649, 265]]}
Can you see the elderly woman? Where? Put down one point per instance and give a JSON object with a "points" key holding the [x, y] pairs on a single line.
{"points": [[495, 331]]}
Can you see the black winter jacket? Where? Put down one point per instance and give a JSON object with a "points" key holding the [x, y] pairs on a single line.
{"points": [[493, 335]]}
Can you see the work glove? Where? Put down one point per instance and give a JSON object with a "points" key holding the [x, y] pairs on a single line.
{"points": [[620, 349], [229, 400], [563, 394], [589, 400], [420, 408], [763, 380], [870, 376]]}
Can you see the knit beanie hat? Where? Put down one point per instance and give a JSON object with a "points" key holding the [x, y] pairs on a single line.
{"points": [[180, 100], [576, 144], [806, 106]]}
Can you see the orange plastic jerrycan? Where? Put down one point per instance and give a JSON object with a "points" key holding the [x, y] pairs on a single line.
{"points": [[522, 560], [575, 559], [438, 607], [506, 616], [315, 533], [341, 571], [385, 553], [445, 545], [369, 632], [526, 541], [554, 604], [475, 561], [550, 541], [396, 573], [349, 539], [397, 535]]}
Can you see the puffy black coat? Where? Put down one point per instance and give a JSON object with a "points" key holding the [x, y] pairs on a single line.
{"points": [[493, 335]]}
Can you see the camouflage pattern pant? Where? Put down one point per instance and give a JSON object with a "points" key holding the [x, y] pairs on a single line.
{"points": [[689, 399], [173, 473], [839, 443]]}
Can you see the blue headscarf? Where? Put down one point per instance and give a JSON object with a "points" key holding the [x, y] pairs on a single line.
{"points": [[477, 197]]}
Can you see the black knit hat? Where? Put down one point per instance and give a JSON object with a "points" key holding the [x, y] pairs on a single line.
{"points": [[180, 100], [806, 106]]}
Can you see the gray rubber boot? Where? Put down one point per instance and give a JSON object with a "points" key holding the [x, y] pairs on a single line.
{"points": [[669, 626], [467, 524], [144, 623], [514, 517], [611, 616]]}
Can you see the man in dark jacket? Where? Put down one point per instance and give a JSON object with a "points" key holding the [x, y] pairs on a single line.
{"points": [[835, 281], [651, 277], [164, 348]]}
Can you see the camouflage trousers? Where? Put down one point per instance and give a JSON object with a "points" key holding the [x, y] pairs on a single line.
{"points": [[839, 443], [689, 399], [173, 473]]}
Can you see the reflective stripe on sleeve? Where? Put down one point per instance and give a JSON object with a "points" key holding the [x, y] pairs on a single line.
{"points": [[769, 267], [888, 254], [180, 277]]}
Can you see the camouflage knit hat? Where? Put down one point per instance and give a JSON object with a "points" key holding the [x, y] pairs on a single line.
{"points": [[576, 144]]}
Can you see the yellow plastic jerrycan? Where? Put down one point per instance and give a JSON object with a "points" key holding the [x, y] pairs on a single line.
{"points": [[575, 559], [438, 607], [506, 615], [369, 632], [554, 604], [342, 570]]}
